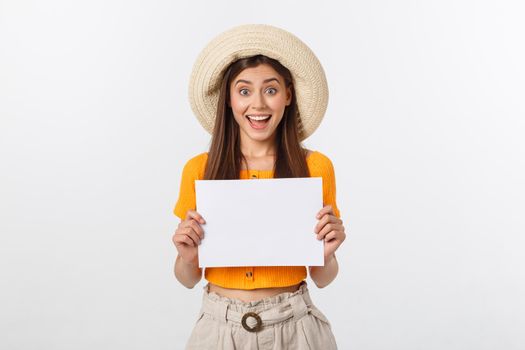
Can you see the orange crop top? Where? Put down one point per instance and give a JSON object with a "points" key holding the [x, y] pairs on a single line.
{"points": [[253, 277]]}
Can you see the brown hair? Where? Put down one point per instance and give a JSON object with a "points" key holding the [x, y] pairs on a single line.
{"points": [[225, 156]]}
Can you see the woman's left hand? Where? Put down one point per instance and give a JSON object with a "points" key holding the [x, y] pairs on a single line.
{"points": [[331, 229]]}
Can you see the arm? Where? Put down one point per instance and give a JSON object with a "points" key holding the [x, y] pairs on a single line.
{"points": [[187, 238], [187, 273], [324, 275], [331, 230]]}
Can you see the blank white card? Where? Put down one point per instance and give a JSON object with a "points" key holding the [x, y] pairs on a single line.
{"points": [[264, 222]]}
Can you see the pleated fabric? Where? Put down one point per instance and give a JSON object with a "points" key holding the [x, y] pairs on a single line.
{"points": [[289, 321]]}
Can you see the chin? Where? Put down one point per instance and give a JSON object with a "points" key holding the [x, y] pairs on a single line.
{"points": [[259, 137]]}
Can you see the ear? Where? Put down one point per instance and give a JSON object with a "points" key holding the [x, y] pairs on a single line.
{"points": [[288, 96]]}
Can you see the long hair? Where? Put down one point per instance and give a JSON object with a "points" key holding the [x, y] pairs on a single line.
{"points": [[225, 157]]}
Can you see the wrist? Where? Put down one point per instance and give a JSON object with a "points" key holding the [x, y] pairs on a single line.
{"points": [[328, 259], [190, 263]]}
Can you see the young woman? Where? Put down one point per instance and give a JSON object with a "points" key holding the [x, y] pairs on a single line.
{"points": [[260, 91]]}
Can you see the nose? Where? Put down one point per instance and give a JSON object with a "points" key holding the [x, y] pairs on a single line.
{"points": [[258, 101]]}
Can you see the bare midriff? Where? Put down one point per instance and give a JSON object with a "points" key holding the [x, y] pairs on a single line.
{"points": [[252, 294]]}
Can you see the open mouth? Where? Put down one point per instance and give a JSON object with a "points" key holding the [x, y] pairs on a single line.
{"points": [[259, 121]]}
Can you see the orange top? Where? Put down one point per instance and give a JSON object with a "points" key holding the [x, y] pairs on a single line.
{"points": [[253, 277]]}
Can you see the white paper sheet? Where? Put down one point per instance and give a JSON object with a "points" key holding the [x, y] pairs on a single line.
{"points": [[263, 222]]}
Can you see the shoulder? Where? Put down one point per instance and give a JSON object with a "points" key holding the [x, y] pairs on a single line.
{"points": [[196, 166], [318, 162], [198, 160]]}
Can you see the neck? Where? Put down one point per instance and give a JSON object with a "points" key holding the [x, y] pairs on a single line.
{"points": [[256, 149]]}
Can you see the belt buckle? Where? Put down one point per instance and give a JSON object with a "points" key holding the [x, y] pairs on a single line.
{"points": [[257, 327]]}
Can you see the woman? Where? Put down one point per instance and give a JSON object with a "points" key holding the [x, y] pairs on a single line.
{"points": [[259, 90]]}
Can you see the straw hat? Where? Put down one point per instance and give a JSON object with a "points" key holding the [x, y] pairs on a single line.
{"points": [[243, 41]]}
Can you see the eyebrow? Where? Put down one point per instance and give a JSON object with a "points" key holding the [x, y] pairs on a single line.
{"points": [[249, 82]]}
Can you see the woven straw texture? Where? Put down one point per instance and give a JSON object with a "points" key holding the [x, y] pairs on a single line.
{"points": [[244, 41]]}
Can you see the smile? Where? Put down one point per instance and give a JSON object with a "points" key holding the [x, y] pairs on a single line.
{"points": [[259, 122]]}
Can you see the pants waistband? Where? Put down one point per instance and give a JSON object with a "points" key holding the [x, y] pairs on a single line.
{"points": [[271, 310]]}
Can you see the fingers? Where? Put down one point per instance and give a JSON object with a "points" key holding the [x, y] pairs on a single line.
{"points": [[183, 239], [327, 209], [186, 235], [328, 229], [192, 214], [330, 246], [189, 230], [193, 235], [192, 224], [338, 235], [325, 220]]}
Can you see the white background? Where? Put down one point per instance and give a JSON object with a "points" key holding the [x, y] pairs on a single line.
{"points": [[425, 128]]}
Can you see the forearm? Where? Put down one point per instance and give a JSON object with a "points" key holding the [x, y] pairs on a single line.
{"points": [[187, 273], [324, 275]]}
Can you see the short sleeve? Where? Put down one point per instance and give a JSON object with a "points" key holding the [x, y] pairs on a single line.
{"points": [[193, 170], [321, 166]]}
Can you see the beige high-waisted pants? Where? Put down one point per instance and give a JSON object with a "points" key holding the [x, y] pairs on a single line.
{"points": [[285, 321]]}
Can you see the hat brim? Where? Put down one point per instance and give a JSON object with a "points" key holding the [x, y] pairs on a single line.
{"points": [[310, 83]]}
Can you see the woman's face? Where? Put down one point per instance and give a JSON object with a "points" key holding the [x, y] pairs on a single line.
{"points": [[258, 97]]}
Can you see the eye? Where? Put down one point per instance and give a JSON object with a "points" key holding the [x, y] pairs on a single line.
{"points": [[271, 91], [244, 92]]}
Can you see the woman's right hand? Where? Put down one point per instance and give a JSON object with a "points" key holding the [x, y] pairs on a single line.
{"points": [[188, 236]]}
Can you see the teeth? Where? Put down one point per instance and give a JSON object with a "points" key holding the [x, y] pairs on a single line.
{"points": [[259, 117]]}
